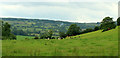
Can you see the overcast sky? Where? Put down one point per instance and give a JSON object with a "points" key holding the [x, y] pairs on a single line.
{"points": [[66, 11]]}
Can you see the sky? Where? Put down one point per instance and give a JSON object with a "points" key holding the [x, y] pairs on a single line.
{"points": [[82, 11]]}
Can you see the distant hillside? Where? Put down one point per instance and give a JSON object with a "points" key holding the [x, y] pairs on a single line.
{"points": [[36, 26]]}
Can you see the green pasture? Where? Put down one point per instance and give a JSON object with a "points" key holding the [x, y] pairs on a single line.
{"points": [[95, 43]]}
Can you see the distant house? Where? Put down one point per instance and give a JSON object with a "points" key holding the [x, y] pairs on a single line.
{"points": [[83, 29]]}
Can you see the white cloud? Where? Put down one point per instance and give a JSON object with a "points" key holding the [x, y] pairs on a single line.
{"points": [[75, 12], [59, 0]]}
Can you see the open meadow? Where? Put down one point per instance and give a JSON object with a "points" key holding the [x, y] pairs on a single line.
{"points": [[95, 43]]}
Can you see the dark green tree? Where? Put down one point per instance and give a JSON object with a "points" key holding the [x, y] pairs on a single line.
{"points": [[62, 34], [96, 28], [118, 21], [87, 30], [36, 37], [46, 35], [12, 36], [50, 33], [107, 23], [42, 35], [107, 19], [73, 30], [6, 29], [6, 32]]}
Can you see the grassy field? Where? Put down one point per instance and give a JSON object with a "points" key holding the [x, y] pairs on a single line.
{"points": [[19, 37], [96, 43]]}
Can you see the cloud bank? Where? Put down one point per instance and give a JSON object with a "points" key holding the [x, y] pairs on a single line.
{"points": [[66, 11]]}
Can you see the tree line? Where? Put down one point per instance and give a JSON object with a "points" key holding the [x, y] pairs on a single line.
{"points": [[106, 24], [32, 27], [6, 31]]}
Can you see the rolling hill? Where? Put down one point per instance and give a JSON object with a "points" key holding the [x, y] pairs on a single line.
{"points": [[95, 43], [36, 26]]}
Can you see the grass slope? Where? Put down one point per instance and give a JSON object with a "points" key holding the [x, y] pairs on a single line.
{"points": [[90, 44]]}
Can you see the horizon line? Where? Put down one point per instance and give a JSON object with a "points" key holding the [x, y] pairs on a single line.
{"points": [[49, 19]]}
